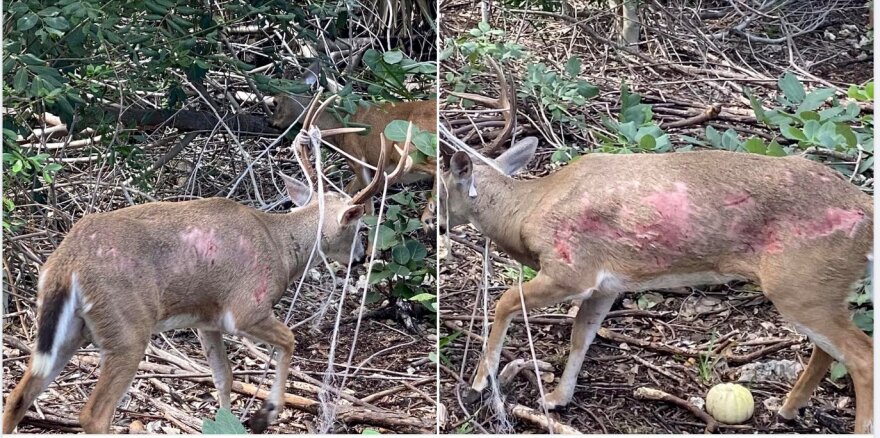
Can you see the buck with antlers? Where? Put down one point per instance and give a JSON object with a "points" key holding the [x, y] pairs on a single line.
{"points": [[607, 224], [362, 147], [209, 264]]}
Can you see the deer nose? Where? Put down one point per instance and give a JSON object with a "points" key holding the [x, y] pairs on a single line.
{"points": [[442, 228]]}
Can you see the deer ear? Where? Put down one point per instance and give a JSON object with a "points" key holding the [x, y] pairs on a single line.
{"points": [[515, 158], [351, 214], [299, 193], [461, 166]]}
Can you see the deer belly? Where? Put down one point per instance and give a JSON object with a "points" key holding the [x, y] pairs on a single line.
{"points": [[673, 280], [179, 321]]}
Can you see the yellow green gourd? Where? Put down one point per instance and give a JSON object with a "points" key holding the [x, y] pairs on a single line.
{"points": [[730, 403]]}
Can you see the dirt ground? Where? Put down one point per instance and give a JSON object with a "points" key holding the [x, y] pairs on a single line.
{"points": [[665, 333]]}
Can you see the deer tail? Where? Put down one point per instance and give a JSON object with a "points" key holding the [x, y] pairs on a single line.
{"points": [[56, 314]]}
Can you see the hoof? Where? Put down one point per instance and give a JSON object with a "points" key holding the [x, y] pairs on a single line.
{"points": [[550, 403], [470, 396], [259, 422]]}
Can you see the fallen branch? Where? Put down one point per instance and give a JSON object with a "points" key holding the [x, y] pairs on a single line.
{"points": [[734, 359], [535, 417], [710, 113], [658, 395]]}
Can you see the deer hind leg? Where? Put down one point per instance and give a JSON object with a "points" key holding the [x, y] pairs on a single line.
{"points": [[215, 351], [540, 292], [808, 381], [587, 322], [118, 367], [823, 316], [273, 332], [32, 385]]}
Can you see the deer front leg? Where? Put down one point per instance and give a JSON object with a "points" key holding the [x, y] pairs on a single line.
{"points": [[587, 322], [540, 292], [215, 351], [273, 332]]}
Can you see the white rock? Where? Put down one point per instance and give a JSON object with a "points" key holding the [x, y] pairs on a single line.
{"points": [[770, 371]]}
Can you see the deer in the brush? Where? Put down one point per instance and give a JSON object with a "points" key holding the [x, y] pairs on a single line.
{"points": [[607, 224], [210, 264], [364, 147]]}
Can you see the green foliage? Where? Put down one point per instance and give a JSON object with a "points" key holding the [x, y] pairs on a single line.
{"points": [[391, 72], [512, 273], [556, 93], [370, 432], [424, 141], [815, 119], [223, 424], [473, 47], [409, 269], [443, 343], [707, 361], [635, 131]]}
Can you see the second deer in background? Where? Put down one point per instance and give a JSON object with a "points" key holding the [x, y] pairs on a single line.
{"points": [[366, 147]]}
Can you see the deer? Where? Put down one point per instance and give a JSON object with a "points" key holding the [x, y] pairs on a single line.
{"points": [[211, 264], [360, 148], [607, 224]]}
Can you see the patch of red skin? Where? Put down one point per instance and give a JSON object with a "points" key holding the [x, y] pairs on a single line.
{"points": [[668, 229], [768, 236], [262, 290], [562, 245], [204, 242]]}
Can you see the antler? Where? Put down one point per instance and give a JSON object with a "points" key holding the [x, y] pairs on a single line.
{"points": [[377, 181], [506, 103], [312, 114]]}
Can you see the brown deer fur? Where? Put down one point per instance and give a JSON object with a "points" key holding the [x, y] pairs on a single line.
{"points": [[365, 147], [210, 264], [606, 224]]}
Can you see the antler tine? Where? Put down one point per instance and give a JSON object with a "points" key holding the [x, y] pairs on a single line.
{"points": [[404, 157], [362, 196], [506, 103]]}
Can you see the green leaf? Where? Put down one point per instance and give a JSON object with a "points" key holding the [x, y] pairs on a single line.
{"points": [[811, 128], [26, 22], [647, 143], [484, 27], [838, 371], [396, 130], [377, 276], [793, 133], [19, 84], [400, 270], [423, 297], [59, 23], [392, 57], [400, 254], [755, 145], [792, 88], [713, 136], [370, 432], [573, 66], [417, 251], [815, 99], [224, 424], [775, 150]]}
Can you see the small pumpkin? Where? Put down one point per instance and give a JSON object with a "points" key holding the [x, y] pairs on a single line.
{"points": [[730, 403]]}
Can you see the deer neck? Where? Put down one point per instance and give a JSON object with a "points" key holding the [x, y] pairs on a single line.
{"points": [[295, 233], [502, 211]]}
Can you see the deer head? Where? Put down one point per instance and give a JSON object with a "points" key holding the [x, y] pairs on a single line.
{"points": [[467, 179]]}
